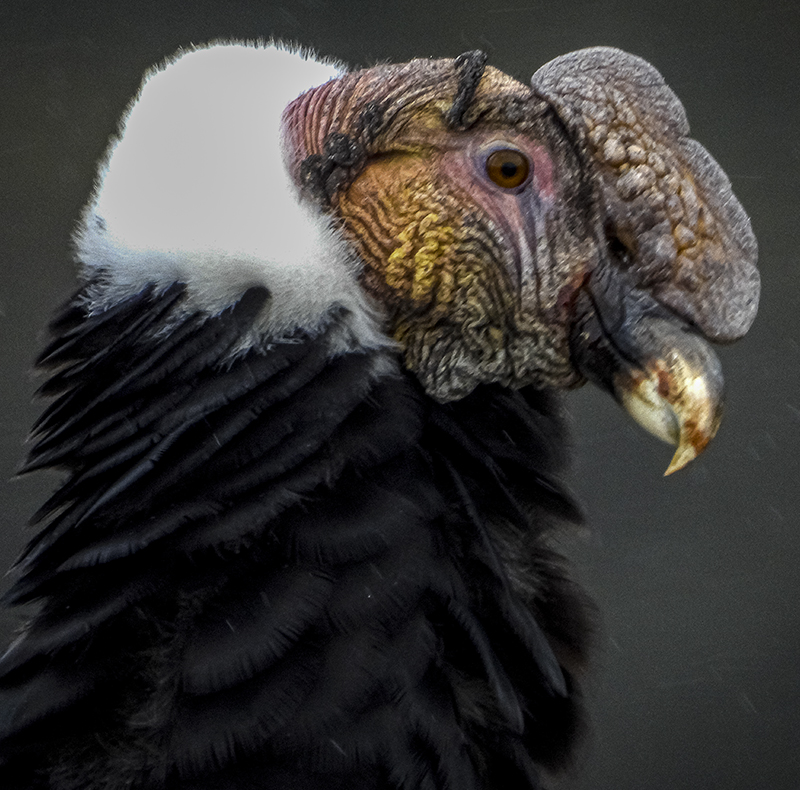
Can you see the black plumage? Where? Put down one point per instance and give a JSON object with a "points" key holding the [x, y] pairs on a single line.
{"points": [[287, 565]]}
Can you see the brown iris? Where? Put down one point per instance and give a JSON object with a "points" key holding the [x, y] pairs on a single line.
{"points": [[507, 167]]}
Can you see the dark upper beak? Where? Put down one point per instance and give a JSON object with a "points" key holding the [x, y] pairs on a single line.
{"points": [[661, 372]]}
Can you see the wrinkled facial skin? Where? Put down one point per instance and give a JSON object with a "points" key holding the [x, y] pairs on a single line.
{"points": [[476, 278], [470, 271]]}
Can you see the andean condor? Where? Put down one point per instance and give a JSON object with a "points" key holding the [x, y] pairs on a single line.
{"points": [[304, 400]]}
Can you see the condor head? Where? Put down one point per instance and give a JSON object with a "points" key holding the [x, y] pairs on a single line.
{"points": [[544, 234]]}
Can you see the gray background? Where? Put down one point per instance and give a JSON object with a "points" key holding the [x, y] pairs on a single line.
{"points": [[696, 682]]}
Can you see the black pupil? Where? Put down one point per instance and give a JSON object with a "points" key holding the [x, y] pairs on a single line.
{"points": [[509, 169]]}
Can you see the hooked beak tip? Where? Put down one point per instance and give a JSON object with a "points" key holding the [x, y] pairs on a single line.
{"points": [[677, 402]]}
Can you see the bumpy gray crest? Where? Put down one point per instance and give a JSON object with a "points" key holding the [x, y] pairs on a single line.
{"points": [[666, 199]]}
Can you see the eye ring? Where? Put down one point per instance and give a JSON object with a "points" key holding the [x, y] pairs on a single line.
{"points": [[508, 167]]}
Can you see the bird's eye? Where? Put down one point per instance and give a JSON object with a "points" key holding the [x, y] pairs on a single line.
{"points": [[507, 167]]}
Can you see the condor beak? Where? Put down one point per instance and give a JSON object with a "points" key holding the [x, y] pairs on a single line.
{"points": [[676, 395], [662, 373]]}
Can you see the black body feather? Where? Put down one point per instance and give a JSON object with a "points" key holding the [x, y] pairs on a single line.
{"points": [[285, 568]]}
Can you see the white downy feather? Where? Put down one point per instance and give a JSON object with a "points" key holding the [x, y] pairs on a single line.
{"points": [[194, 189]]}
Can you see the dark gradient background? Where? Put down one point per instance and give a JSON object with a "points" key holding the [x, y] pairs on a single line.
{"points": [[696, 682]]}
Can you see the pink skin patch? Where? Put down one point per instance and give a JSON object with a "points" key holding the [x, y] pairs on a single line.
{"points": [[517, 212]]}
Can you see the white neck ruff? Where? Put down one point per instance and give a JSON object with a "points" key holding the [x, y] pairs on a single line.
{"points": [[194, 189]]}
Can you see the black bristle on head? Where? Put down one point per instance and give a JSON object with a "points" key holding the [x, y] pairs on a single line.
{"points": [[469, 67], [322, 176]]}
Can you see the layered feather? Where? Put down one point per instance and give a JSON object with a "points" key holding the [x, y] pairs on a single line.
{"points": [[292, 563]]}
